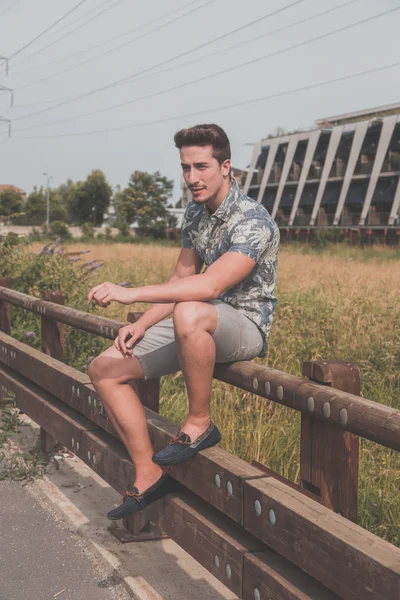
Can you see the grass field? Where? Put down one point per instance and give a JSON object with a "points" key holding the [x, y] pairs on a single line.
{"points": [[339, 303]]}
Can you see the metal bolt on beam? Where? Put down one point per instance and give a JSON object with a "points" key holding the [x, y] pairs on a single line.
{"points": [[326, 409], [343, 416]]}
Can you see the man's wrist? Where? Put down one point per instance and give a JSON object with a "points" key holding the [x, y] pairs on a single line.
{"points": [[133, 296]]}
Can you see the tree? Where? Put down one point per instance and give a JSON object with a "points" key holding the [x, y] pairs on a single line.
{"points": [[35, 207], [67, 192], [91, 199], [125, 211], [58, 210], [10, 203], [145, 200]]}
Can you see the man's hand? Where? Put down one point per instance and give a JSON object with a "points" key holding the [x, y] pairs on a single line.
{"points": [[136, 331], [106, 292]]}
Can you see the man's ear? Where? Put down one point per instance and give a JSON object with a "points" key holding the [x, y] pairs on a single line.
{"points": [[226, 167]]}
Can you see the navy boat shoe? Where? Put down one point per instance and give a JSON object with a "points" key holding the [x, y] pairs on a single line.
{"points": [[132, 501], [181, 447]]}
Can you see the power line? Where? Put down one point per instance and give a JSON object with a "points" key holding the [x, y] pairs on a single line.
{"points": [[122, 45], [107, 8], [132, 31], [47, 29], [117, 37], [251, 40], [219, 108], [10, 7], [215, 74], [124, 79], [88, 12]]}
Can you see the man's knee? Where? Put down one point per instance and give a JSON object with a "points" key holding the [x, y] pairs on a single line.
{"points": [[98, 369], [107, 368], [192, 316]]}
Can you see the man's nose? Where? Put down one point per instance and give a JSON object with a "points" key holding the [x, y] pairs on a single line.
{"points": [[193, 177]]}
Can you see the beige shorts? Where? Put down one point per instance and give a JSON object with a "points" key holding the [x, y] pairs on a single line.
{"points": [[236, 338]]}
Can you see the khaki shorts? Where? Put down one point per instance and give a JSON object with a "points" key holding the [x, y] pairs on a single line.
{"points": [[235, 337]]}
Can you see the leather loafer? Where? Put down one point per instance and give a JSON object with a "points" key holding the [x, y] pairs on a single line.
{"points": [[181, 447], [133, 502]]}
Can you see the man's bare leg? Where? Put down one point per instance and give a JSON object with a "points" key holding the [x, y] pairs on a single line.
{"points": [[109, 374], [195, 323]]}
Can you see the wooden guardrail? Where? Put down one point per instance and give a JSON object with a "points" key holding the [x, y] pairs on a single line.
{"points": [[262, 536]]}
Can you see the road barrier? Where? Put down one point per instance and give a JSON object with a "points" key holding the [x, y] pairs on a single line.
{"points": [[263, 536]]}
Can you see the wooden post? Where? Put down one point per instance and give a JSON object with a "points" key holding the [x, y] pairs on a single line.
{"points": [[52, 333], [5, 309], [328, 453], [52, 344], [148, 391]]}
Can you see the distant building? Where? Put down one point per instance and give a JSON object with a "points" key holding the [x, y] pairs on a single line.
{"points": [[344, 172], [6, 186], [178, 213]]}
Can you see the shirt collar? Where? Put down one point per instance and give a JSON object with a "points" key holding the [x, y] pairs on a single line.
{"points": [[228, 205]]}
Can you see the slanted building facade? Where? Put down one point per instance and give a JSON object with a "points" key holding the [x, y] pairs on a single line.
{"points": [[345, 172]]}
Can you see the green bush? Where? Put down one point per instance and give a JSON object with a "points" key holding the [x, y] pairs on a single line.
{"points": [[60, 229], [87, 230], [50, 269]]}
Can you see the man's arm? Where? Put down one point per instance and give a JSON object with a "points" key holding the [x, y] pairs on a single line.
{"points": [[227, 271], [184, 286], [188, 264]]}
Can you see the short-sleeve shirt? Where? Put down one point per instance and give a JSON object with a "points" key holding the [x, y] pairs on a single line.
{"points": [[240, 224]]}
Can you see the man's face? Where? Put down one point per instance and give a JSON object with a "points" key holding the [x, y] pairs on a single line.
{"points": [[203, 174]]}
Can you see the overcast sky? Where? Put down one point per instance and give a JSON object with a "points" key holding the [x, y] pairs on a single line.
{"points": [[136, 144]]}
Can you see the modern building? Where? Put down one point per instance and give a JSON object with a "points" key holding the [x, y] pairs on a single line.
{"points": [[344, 172]]}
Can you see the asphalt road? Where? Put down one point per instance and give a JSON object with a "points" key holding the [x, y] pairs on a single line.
{"points": [[40, 556]]}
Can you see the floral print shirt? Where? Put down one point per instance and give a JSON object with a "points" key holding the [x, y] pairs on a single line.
{"points": [[240, 224]]}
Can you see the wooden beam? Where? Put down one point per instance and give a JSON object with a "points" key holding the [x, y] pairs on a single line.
{"points": [[345, 558], [267, 575], [52, 332], [214, 474], [5, 308], [220, 545], [328, 454], [212, 539], [107, 328], [363, 417]]}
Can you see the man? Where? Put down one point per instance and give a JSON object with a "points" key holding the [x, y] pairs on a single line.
{"points": [[221, 314]]}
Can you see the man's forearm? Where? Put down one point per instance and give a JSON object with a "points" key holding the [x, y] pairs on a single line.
{"points": [[194, 288], [156, 313]]}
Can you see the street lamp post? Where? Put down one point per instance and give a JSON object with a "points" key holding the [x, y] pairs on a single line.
{"points": [[47, 198]]}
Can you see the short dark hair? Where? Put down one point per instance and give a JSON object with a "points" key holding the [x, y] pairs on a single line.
{"points": [[205, 135]]}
